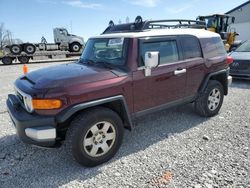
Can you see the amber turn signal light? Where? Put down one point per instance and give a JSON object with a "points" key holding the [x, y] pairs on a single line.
{"points": [[46, 104]]}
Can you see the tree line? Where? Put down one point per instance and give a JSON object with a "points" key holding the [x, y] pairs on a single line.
{"points": [[6, 37]]}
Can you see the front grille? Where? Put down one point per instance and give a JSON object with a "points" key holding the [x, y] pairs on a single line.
{"points": [[240, 65]]}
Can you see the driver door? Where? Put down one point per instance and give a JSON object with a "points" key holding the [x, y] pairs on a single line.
{"points": [[167, 82]]}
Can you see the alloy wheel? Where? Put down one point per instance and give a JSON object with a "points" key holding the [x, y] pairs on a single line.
{"points": [[214, 99], [99, 139]]}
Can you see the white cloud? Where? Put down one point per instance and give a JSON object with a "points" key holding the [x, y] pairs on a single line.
{"points": [[178, 10], [145, 3], [80, 4]]}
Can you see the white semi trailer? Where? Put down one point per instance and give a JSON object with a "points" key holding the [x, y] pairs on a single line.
{"points": [[65, 44]]}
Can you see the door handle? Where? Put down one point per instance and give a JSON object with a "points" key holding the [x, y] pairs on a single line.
{"points": [[180, 71]]}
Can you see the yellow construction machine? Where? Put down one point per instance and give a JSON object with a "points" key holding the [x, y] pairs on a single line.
{"points": [[220, 23]]}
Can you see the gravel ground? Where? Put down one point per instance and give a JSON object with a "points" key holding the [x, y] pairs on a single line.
{"points": [[171, 148]]}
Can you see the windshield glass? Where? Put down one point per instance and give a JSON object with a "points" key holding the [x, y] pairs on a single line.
{"points": [[112, 51], [245, 47]]}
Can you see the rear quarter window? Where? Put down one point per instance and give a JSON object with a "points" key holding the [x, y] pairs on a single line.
{"points": [[213, 47], [191, 47]]}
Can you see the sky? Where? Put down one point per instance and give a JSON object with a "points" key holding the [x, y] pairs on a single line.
{"points": [[29, 20]]}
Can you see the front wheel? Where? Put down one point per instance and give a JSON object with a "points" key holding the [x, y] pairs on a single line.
{"points": [[95, 136], [210, 101], [75, 47]]}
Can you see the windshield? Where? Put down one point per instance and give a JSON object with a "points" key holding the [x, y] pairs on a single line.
{"points": [[112, 51], [245, 47]]}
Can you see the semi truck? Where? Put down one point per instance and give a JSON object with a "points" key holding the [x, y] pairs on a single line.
{"points": [[65, 45]]}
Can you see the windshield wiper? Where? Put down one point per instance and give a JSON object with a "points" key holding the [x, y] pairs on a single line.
{"points": [[87, 61], [105, 64], [97, 63]]}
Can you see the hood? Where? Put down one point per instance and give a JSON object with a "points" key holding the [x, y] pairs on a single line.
{"points": [[240, 55], [67, 75]]}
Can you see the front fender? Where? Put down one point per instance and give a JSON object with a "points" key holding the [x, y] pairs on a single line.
{"points": [[69, 112], [80, 41]]}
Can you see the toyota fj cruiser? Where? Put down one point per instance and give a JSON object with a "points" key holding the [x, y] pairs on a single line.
{"points": [[129, 70]]}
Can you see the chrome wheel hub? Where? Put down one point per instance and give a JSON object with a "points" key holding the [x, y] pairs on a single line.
{"points": [[99, 139], [16, 49], [76, 47], [30, 49], [214, 99]]}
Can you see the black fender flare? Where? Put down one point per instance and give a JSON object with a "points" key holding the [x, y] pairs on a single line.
{"points": [[69, 112], [223, 73]]}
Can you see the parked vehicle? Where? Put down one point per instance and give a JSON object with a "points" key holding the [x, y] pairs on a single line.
{"points": [[65, 45], [130, 70], [240, 68]]}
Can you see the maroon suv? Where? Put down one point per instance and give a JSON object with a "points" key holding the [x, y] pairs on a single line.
{"points": [[128, 71]]}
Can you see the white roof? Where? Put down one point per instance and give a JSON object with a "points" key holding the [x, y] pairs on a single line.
{"points": [[199, 33]]}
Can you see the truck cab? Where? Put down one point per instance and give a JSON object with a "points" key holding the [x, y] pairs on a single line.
{"points": [[62, 36]]}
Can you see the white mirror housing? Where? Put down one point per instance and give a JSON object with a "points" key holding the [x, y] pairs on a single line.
{"points": [[151, 59]]}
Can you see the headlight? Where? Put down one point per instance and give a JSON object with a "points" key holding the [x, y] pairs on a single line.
{"points": [[28, 103], [26, 100], [38, 104]]}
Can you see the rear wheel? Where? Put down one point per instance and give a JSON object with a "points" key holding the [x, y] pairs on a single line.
{"points": [[15, 49], [210, 101], [7, 60], [95, 136], [75, 47], [29, 48], [23, 59]]}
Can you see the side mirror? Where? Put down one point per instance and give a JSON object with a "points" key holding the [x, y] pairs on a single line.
{"points": [[151, 61]]}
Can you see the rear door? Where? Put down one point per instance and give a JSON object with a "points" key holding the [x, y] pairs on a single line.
{"points": [[167, 82]]}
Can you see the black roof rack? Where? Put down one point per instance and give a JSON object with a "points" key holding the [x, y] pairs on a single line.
{"points": [[139, 25]]}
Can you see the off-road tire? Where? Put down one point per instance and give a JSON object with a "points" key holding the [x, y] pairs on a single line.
{"points": [[75, 47], [15, 49], [79, 128], [202, 103]]}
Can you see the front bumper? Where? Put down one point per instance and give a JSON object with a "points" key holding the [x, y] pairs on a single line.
{"points": [[31, 128]]}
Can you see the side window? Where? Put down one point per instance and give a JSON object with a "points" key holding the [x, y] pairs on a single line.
{"points": [[168, 51], [191, 47], [213, 47]]}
